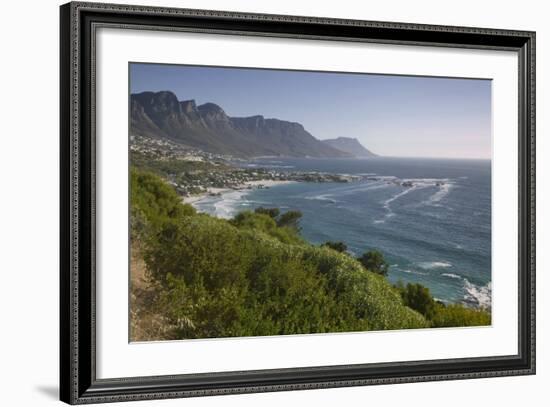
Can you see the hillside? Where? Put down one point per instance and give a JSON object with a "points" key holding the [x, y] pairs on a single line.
{"points": [[249, 276], [349, 145], [197, 276], [207, 127]]}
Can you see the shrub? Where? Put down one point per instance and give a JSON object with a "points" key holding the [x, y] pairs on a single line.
{"points": [[370, 298], [338, 246], [271, 212], [154, 201], [222, 280], [290, 219], [374, 261], [247, 220], [456, 315], [418, 297]]}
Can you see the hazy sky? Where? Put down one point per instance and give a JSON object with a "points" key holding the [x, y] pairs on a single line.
{"points": [[390, 115]]}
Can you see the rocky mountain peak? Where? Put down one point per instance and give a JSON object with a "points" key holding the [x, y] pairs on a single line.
{"points": [[349, 145], [188, 106], [209, 128], [158, 102]]}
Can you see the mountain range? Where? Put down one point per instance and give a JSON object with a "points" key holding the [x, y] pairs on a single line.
{"points": [[207, 127]]}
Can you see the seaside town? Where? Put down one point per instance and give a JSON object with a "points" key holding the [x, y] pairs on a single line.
{"points": [[196, 174]]}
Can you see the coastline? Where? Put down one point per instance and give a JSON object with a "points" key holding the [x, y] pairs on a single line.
{"points": [[407, 189], [211, 191]]}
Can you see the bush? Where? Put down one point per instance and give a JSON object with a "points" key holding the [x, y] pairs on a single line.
{"points": [[338, 246], [457, 315], [224, 280], [202, 265], [371, 301], [247, 220], [290, 219], [418, 297], [374, 261], [153, 202], [271, 212]]}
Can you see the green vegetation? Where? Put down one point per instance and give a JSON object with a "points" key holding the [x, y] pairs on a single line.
{"points": [[271, 212], [340, 247], [374, 261], [418, 297], [454, 315], [290, 219], [265, 224], [152, 203], [255, 275], [164, 166]]}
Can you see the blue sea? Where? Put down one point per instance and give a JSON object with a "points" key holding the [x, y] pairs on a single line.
{"points": [[435, 229]]}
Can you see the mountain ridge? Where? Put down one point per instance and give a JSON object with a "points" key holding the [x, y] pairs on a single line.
{"points": [[208, 127]]}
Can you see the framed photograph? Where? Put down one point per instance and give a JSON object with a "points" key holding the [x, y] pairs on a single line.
{"points": [[255, 203]]}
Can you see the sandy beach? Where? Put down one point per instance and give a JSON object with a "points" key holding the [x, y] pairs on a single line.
{"points": [[263, 183]]}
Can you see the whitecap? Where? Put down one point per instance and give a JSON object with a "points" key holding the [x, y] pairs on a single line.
{"points": [[354, 188], [429, 265], [451, 275], [409, 271], [387, 202], [439, 194], [323, 197]]}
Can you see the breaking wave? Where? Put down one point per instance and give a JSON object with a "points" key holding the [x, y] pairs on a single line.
{"points": [[414, 184], [387, 202], [408, 271], [479, 296], [226, 207], [323, 197], [451, 275], [429, 265], [439, 195]]}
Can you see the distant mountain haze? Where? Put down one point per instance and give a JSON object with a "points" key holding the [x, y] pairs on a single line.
{"points": [[207, 127], [350, 145]]}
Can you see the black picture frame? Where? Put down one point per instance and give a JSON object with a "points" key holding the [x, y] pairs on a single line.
{"points": [[78, 382]]}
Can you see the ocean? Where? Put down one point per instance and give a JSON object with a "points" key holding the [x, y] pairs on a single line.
{"points": [[431, 218]]}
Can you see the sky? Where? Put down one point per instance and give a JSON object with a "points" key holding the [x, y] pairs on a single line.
{"points": [[399, 116]]}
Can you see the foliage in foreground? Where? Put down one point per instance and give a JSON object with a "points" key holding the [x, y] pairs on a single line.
{"points": [[418, 297], [254, 275]]}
